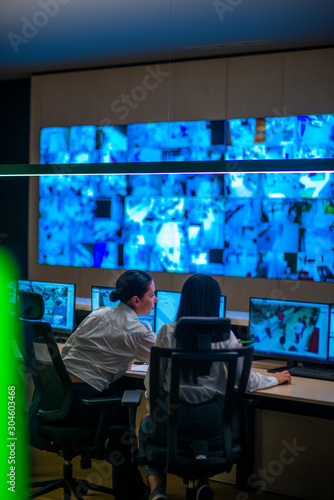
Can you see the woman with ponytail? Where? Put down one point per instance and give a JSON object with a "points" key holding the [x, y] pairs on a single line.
{"points": [[98, 354]]}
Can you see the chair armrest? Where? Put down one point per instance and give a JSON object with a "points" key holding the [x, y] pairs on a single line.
{"points": [[129, 398], [102, 401]]}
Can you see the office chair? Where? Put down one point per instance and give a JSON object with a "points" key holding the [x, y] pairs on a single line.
{"points": [[51, 403], [191, 457]]}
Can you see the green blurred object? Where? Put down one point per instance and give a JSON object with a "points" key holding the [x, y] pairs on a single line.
{"points": [[14, 458]]}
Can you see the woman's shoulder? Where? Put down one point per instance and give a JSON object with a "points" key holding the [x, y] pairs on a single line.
{"points": [[167, 327], [103, 313], [166, 335]]}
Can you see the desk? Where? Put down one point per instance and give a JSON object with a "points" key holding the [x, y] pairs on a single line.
{"points": [[305, 396], [292, 427], [293, 435]]}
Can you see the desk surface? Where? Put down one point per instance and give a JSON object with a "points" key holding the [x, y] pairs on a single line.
{"points": [[301, 389]]}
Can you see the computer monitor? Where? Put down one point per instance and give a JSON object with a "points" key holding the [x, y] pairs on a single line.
{"points": [[11, 294], [59, 303], [290, 330], [101, 298], [331, 336], [168, 304]]}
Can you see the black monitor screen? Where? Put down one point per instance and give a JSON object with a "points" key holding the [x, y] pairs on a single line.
{"points": [[168, 305], [101, 298], [59, 302], [289, 329]]}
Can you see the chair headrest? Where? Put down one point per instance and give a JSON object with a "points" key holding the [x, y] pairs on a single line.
{"points": [[30, 305], [197, 333]]}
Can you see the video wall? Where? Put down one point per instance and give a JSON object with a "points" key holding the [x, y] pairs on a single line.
{"points": [[272, 138], [268, 225], [143, 142]]}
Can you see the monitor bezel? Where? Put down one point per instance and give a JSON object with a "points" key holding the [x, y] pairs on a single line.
{"points": [[294, 358], [178, 292], [102, 287], [111, 288], [330, 361], [56, 329]]}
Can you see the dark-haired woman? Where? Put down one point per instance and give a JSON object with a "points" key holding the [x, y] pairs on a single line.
{"points": [[101, 350], [200, 297]]}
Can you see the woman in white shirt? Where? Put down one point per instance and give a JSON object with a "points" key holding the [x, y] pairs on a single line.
{"points": [[98, 354], [201, 298]]}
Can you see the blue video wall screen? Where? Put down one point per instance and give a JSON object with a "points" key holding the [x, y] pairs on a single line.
{"points": [[293, 137], [280, 138], [268, 225]]}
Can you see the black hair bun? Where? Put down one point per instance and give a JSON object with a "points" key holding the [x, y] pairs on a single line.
{"points": [[114, 296]]}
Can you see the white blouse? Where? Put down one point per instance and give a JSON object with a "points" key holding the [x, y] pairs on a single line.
{"points": [[210, 385], [106, 344]]}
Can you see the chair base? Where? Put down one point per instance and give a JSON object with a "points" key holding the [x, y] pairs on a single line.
{"points": [[191, 492], [77, 487], [70, 485]]}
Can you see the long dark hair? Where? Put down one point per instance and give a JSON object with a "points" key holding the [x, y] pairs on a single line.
{"points": [[200, 297], [129, 284]]}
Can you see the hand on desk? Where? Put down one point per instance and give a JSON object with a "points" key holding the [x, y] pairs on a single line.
{"points": [[283, 377]]}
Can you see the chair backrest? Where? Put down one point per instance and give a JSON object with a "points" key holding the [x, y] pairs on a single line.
{"points": [[215, 453], [45, 365], [197, 335], [30, 305]]}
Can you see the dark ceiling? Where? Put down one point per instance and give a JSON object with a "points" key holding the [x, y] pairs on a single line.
{"points": [[41, 36]]}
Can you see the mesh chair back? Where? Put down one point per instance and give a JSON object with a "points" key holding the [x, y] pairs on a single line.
{"points": [[190, 455], [44, 365], [30, 305]]}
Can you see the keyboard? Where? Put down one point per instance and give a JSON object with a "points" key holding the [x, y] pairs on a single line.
{"points": [[312, 372]]}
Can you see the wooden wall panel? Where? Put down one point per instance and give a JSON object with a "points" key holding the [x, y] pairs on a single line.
{"points": [[254, 86], [198, 90], [308, 81]]}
